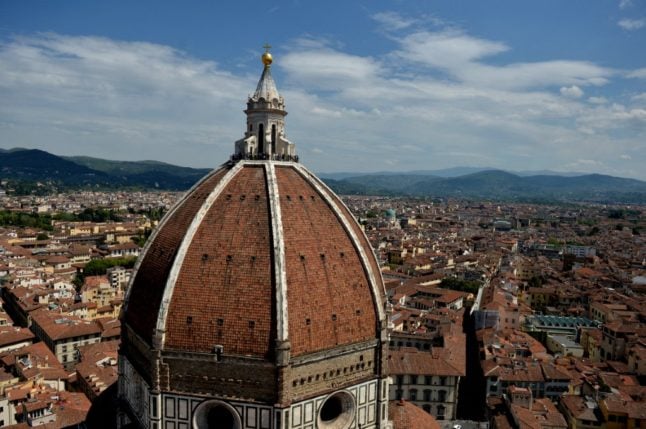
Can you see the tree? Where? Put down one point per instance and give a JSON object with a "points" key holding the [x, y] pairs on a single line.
{"points": [[26, 219], [535, 281], [142, 237], [98, 267], [453, 283]]}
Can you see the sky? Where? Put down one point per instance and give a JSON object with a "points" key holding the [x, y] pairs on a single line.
{"points": [[370, 85]]}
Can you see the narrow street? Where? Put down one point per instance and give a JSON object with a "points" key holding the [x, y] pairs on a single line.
{"points": [[471, 399]]}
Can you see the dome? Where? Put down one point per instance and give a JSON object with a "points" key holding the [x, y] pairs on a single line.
{"points": [[258, 251], [256, 301]]}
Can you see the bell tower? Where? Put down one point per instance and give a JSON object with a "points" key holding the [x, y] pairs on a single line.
{"points": [[265, 133]]}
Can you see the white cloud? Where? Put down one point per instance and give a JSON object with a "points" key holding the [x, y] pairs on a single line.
{"points": [[120, 100], [447, 49], [462, 109], [623, 4], [597, 100], [572, 91], [631, 24], [325, 68], [462, 57], [615, 116], [123, 100], [637, 74], [624, 156], [639, 97], [392, 20], [586, 162]]}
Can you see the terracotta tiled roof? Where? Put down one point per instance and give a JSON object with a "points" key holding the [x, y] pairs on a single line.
{"points": [[554, 372], [12, 335], [442, 361], [91, 282], [406, 415], [98, 365], [577, 407], [58, 327]]}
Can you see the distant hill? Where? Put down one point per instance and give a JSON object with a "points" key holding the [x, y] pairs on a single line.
{"points": [[148, 174], [37, 166], [447, 173], [128, 168], [499, 185], [33, 165]]}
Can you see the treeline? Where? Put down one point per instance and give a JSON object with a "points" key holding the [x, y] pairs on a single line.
{"points": [[26, 220], [154, 213], [44, 220], [470, 286], [98, 267], [38, 189], [90, 215]]}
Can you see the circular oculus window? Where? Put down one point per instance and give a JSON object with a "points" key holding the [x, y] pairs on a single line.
{"points": [[337, 411], [216, 415]]}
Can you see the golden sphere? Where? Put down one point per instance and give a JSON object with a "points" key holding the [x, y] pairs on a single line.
{"points": [[267, 59]]}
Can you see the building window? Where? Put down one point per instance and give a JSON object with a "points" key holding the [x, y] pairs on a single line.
{"points": [[413, 394], [441, 396], [441, 409], [399, 394], [427, 395], [442, 381], [428, 379]]}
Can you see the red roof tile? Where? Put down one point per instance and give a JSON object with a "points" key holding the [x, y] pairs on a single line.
{"points": [[406, 415]]}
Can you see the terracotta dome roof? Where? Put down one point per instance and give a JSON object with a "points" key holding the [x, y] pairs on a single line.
{"points": [[256, 252], [406, 415]]}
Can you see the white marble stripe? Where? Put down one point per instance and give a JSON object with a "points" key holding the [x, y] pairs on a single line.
{"points": [[159, 227], [160, 331], [279, 252]]}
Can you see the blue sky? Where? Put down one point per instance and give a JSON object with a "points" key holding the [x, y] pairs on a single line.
{"points": [[369, 85]]}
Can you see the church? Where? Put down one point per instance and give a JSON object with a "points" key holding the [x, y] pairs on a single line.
{"points": [[258, 301]]}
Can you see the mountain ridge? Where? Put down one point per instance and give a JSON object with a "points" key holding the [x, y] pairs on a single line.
{"points": [[502, 185], [74, 172]]}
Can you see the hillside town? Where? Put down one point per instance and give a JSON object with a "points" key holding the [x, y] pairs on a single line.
{"points": [[508, 315]]}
